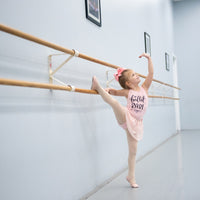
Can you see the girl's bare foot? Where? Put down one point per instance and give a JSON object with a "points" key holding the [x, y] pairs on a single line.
{"points": [[95, 83], [132, 183]]}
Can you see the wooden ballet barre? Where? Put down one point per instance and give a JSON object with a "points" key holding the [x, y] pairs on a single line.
{"points": [[51, 45], [12, 82], [163, 97], [20, 83], [65, 50]]}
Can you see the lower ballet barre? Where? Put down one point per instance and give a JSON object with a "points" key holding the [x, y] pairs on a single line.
{"points": [[20, 83], [11, 82]]}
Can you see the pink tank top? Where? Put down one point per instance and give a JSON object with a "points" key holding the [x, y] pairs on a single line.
{"points": [[137, 103]]}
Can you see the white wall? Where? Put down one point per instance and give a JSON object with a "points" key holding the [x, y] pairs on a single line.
{"points": [[61, 145], [187, 48]]}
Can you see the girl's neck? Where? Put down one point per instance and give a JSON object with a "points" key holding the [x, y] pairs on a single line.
{"points": [[135, 87]]}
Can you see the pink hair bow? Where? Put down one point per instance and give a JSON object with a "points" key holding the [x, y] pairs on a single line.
{"points": [[118, 73]]}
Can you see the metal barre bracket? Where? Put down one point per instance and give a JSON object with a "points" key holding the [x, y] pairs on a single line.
{"points": [[72, 88], [76, 53], [52, 72]]}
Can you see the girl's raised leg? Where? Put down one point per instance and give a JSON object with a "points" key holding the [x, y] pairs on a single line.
{"points": [[118, 109]]}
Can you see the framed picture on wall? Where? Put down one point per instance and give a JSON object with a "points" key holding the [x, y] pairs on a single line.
{"points": [[147, 43], [93, 11], [167, 62]]}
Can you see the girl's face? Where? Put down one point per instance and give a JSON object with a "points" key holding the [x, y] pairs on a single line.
{"points": [[133, 78]]}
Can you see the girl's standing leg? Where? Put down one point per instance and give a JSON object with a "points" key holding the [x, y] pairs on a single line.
{"points": [[132, 144], [118, 109]]}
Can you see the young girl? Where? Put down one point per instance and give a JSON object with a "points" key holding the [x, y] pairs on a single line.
{"points": [[129, 118]]}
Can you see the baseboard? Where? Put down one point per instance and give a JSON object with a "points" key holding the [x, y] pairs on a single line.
{"points": [[103, 184]]}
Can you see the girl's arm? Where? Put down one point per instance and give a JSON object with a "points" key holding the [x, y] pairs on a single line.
{"points": [[123, 92], [147, 83]]}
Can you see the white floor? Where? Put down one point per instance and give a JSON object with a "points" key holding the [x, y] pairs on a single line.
{"points": [[171, 172]]}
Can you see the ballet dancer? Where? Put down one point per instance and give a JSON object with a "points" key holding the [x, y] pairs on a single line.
{"points": [[129, 118]]}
